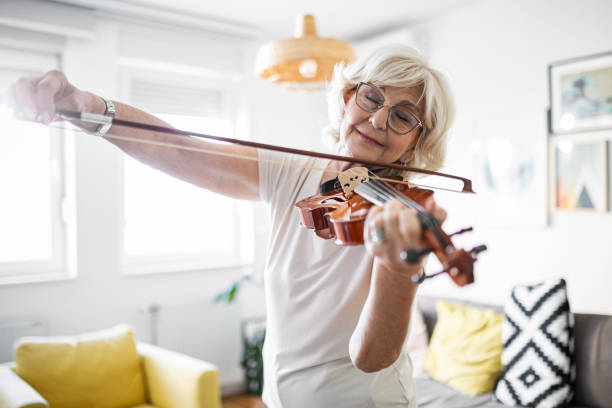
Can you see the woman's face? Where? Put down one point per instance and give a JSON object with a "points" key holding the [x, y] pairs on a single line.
{"points": [[367, 135]]}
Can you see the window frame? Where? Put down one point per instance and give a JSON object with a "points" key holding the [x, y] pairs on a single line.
{"points": [[61, 264], [243, 257]]}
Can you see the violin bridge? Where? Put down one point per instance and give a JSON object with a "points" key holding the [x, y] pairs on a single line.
{"points": [[351, 178]]}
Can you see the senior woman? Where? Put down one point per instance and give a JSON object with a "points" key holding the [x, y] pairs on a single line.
{"points": [[337, 317]]}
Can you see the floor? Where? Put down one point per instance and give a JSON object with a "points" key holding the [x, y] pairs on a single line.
{"points": [[242, 401]]}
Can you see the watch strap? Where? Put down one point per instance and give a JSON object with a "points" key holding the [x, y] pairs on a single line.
{"points": [[110, 113]]}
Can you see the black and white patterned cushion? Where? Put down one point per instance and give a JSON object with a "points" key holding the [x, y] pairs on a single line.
{"points": [[537, 334]]}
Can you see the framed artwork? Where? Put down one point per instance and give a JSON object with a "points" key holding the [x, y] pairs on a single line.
{"points": [[581, 94], [580, 175], [510, 173]]}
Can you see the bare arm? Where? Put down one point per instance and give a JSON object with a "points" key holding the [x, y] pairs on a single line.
{"points": [[377, 340], [230, 176], [380, 334]]}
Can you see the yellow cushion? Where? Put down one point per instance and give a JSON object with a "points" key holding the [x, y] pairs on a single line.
{"points": [[465, 348], [100, 369]]}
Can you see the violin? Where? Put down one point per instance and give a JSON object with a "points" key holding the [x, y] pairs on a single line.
{"points": [[340, 214]]}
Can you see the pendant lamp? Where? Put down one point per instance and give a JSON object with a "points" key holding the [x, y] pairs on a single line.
{"points": [[303, 62]]}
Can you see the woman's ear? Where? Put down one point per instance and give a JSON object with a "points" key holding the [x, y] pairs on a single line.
{"points": [[408, 155], [347, 96]]}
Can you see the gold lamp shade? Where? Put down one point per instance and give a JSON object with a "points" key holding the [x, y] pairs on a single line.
{"points": [[305, 61]]}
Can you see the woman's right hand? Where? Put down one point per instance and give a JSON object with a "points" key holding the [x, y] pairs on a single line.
{"points": [[37, 98]]}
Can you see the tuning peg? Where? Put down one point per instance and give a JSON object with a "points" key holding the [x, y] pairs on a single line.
{"points": [[461, 231], [414, 255], [478, 249], [453, 272], [419, 279]]}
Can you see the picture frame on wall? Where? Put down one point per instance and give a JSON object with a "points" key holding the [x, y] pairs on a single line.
{"points": [[580, 91], [580, 175]]}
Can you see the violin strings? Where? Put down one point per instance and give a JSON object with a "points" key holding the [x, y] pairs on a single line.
{"points": [[370, 194], [227, 154], [389, 193], [382, 189]]}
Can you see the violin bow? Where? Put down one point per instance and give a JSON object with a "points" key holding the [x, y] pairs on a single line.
{"points": [[102, 119]]}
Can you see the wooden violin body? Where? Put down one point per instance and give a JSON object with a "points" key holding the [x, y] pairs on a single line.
{"points": [[333, 215]]}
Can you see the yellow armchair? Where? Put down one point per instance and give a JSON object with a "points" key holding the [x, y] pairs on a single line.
{"points": [[105, 369]]}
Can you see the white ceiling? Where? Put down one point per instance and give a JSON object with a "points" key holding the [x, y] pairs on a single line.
{"points": [[342, 19]]}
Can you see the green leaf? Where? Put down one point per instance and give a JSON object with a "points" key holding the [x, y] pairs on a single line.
{"points": [[232, 293]]}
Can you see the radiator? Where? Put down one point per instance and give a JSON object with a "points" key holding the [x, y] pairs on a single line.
{"points": [[11, 331], [207, 331]]}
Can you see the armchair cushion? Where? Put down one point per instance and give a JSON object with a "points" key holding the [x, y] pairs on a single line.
{"points": [[100, 369]]}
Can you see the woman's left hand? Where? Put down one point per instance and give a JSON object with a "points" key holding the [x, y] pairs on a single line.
{"points": [[393, 228]]}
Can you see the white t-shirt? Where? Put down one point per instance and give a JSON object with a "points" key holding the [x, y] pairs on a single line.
{"points": [[315, 291]]}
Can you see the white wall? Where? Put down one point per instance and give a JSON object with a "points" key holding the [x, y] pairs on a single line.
{"points": [[496, 54]]}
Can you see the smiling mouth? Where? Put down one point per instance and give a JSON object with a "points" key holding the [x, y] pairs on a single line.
{"points": [[368, 139]]}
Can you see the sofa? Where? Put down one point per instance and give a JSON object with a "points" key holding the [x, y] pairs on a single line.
{"points": [[95, 375], [592, 355]]}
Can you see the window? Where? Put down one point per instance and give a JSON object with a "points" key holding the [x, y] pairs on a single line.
{"points": [[171, 225], [32, 226]]}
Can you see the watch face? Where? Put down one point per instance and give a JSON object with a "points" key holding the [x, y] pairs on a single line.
{"points": [[110, 112], [110, 107]]}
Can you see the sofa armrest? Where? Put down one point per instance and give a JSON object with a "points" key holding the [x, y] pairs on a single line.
{"points": [[15, 392], [175, 380]]}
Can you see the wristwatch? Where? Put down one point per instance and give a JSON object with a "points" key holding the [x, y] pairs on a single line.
{"points": [[110, 114]]}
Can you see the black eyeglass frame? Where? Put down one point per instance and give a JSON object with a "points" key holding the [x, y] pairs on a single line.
{"points": [[419, 124]]}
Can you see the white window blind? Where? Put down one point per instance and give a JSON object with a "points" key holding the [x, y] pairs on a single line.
{"points": [[32, 230], [171, 225], [177, 99]]}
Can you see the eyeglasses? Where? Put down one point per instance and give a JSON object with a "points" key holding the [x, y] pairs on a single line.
{"points": [[371, 99]]}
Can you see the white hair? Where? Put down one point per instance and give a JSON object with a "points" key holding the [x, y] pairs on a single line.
{"points": [[399, 66]]}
